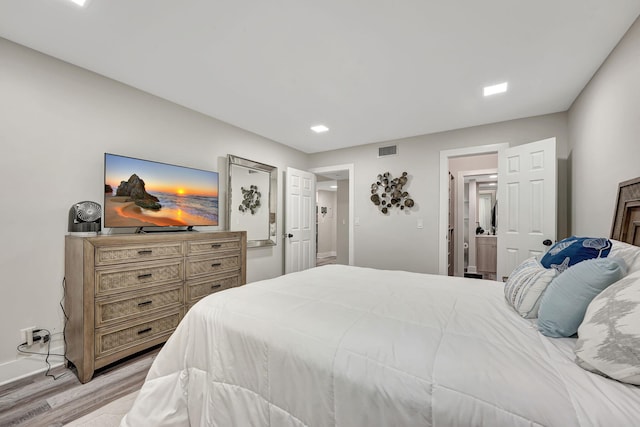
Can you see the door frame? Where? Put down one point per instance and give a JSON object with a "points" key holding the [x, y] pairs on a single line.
{"points": [[348, 167], [444, 192]]}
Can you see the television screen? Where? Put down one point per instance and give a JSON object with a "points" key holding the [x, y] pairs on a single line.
{"points": [[144, 193]]}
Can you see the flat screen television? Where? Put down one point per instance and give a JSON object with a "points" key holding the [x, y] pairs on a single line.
{"points": [[144, 193]]}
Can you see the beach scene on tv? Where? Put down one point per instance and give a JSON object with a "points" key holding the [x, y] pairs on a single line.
{"points": [[143, 193]]}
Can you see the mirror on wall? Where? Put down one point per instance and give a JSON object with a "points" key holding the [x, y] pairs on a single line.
{"points": [[252, 200], [485, 204]]}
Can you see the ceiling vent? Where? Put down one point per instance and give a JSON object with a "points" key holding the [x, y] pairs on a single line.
{"points": [[390, 150]]}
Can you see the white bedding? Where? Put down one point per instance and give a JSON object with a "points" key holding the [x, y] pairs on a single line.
{"points": [[348, 346]]}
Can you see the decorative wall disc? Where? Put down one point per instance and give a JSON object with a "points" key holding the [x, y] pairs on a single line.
{"points": [[250, 199], [387, 192]]}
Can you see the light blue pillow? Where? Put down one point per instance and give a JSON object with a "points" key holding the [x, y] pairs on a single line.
{"points": [[565, 300]]}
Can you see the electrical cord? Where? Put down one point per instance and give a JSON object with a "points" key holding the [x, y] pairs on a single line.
{"points": [[66, 317], [46, 338]]}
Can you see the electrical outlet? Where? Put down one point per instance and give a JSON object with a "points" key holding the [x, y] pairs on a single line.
{"points": [[27, 335]]}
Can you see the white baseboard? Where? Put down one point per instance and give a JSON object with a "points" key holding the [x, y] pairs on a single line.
{"points": [[26, 366]]}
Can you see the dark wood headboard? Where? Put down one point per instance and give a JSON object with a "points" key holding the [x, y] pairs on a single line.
{"points": [[626, 221]]}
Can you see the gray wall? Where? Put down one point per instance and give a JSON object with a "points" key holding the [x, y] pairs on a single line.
{"points": [[393, 241], [56, 123], [604, 125], [342, 227]]}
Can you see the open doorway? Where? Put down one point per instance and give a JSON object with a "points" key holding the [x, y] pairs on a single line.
{"points": [[473, 165], [327, 221], [334, 214], [474, 241], [474, 212]]}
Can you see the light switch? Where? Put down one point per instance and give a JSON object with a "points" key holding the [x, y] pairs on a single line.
{"points": [[357, 220], [420, 224]]}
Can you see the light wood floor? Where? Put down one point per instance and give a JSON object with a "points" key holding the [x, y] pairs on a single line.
{"points": [[41, 401]]}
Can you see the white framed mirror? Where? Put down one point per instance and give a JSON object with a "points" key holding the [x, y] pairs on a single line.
{"points": [[252, 200]]}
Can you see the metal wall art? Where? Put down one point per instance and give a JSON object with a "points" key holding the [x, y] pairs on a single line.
{"points": [[250, 199], [387, 193]]}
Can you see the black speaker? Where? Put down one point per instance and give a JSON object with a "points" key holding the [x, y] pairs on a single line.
{"points": [[85, 218]]}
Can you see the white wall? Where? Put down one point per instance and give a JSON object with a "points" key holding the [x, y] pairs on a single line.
{"points": [[604, 124], [394, 241], [56, 122]]}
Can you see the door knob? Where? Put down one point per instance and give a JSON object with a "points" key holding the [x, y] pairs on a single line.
{"points": [[289, 235], [547, 242]]}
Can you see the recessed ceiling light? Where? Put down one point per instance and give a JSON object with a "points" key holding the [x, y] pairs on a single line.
{"points": [[79, 2], [333, 186], [319, 128], [492, 90]]}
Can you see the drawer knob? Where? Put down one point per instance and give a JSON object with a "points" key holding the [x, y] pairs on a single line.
{"points": [[144, 276], [216, 286], [142, 331], [216, 245], [216, 264], [143, 303], [145, 252]]}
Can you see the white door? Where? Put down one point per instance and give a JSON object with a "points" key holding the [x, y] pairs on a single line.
{"points": [[526, 220], [300, 223]]}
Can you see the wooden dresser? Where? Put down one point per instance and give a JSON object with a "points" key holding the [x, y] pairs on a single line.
{"points": [[126, 293]]}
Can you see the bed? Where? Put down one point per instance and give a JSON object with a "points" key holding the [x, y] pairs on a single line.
{"points": [[349, 346]]}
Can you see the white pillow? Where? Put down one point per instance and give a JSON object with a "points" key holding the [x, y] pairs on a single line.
{"points": [[525, 286], [629, 253], [609, 336]]}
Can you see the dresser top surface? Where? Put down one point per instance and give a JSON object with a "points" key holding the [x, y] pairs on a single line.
{"points": [[157, 237]]}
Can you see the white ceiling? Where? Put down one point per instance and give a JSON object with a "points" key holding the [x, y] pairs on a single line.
{"points": [[371, 71]]}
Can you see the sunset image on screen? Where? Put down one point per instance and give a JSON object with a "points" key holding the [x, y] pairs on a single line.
{"points": [[142, 193]]}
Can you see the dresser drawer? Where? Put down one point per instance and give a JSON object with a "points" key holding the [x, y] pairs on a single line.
{"points": [[112, 340], [203, 247], [107, 255], [138, 276], [197, 289], [198, 267], [122, 307]]}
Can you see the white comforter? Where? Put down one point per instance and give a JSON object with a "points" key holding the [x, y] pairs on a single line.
{"points": [[347, 346]]}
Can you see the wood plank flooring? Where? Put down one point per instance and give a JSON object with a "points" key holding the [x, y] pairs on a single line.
{"points": [[41, 401]]}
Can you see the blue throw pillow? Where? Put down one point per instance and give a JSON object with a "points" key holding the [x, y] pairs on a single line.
{"points": [[565, 300], [572, 250]]}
